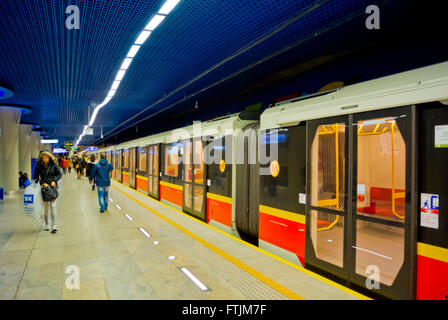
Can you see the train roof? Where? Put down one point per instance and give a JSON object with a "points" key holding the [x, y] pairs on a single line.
{"points": [[215, 127], [406, 88]]}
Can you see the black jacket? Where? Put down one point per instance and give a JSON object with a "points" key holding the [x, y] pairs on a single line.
{"points": [[89, 169], [54, 174]]}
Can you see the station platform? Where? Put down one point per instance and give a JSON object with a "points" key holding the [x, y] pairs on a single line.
{"points": [[116, 260]]}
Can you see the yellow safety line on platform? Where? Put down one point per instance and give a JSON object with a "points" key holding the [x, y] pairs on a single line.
{"points": [[433, 252], [291, 264], [219, 198], [283, 290]]}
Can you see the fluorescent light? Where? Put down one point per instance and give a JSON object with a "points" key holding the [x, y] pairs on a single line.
{"points": [[155, 242], [49, 141], [111, 93], [129, 217], [118, 207], [126, 63], [120, 75], [168, 6], [172, 257], [115, 85], [187, 272], [142, 37], [154, 23], [133, 51], [144, 232]]}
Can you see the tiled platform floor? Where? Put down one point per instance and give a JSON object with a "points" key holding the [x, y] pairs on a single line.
{"points": [[116, 261]]}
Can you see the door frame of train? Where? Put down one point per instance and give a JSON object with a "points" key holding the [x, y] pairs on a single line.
{"points": [[404, 285], [203, 214], [133, 172], [251, 188]]}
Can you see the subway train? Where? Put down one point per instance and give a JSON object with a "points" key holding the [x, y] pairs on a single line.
{"points": [[355, 187]]}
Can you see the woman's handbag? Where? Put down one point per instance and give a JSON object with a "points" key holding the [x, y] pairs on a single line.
{"points": [[50, 193]]}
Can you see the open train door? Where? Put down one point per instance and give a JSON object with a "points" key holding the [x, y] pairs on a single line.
{"points": [[247, 184], [361, 208]]}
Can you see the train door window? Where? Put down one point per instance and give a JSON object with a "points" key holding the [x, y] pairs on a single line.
{"points": [[328, 192], [150, 169], [142, 160], [198, 165], [188, 176], [172, 160], [155, 171], [381, 190], [126, 159]]}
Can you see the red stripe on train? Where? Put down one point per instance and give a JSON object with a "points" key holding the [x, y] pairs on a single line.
{"points": [[283, 233]]}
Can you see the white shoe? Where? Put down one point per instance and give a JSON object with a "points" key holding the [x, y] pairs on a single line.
{"points": [[54, 230]]}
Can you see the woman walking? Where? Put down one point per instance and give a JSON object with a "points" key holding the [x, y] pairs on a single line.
{"points": [[89, 169], [48, 174]]}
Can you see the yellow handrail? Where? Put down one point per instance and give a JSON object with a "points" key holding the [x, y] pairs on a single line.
{"points": [[375, 131], [336, 141], [393, 174]]}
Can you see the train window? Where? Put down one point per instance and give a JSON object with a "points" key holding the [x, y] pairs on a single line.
{"points": [[220, 174], [281, 190], [381, 170], [142, 159], [126, 159], [381, 190], [328, 192], [329, 174], [187, 161], [198, 162], [172, 160]]}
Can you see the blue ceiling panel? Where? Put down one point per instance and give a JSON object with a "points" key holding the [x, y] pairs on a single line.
{"points": [[60, 72]]}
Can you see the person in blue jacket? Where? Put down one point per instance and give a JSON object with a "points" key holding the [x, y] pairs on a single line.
{"points": [[101, 172]]}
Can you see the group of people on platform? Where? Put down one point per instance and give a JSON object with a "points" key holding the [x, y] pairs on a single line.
{"points": [[49, 171]]}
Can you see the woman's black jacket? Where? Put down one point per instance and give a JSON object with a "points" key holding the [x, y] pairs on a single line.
{"points": [[40, 173]]}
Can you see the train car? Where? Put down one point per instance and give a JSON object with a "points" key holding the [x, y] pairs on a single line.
{"points": [[359, 190], [358, 195], [197, 185]]}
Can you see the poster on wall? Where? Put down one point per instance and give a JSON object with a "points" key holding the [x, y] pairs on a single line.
{"points": [[429, 210], [441, 136]]}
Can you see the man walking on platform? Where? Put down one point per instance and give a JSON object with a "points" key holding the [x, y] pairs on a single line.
{"points": [[102, 172]]}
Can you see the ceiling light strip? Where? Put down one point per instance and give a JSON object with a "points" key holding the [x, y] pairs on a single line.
{"points": [[155, 21]]}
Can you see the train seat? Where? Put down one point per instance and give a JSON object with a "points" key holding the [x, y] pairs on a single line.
{"points": [[381, 202]]}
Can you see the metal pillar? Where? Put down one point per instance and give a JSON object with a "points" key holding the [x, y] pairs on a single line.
{"points": [[25, 146], [9, 149]]}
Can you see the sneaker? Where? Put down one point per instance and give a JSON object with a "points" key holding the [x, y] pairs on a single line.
{"points": [[54, 230], [45, 227], [101, 211]]}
